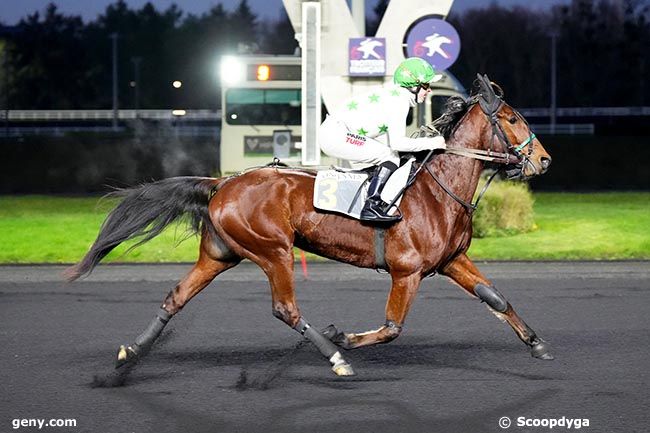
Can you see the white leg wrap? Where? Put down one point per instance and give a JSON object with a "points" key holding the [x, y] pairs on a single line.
{"points": [[340, 365], [337, 359]]}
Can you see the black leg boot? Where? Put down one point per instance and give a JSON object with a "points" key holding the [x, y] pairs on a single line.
{"points": [[375, 209]]}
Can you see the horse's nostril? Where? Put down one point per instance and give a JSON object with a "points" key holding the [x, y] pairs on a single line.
{"points": [[546, 161]]}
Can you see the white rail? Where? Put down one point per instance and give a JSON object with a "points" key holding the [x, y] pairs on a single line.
{"points": [[586, 111], [564, 128], [27, 115]]}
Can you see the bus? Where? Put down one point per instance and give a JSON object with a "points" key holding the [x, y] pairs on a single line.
{"points": [[261, 110]]}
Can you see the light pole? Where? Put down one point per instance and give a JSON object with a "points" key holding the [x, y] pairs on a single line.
{"points": [[114, 37], [553, 115], [177, 113], [136, 84], [5, 88]]}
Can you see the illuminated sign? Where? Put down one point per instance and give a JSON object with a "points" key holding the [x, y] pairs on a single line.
{"points": [[263, 72], [367, 57], [266, 72], [433, 40]]}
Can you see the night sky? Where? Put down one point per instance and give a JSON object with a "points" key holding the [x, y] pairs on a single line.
{"points": [[11, 11]]}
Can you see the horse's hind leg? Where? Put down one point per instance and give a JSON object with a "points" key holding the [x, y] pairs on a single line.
{"points": [[211, 263], [465, 273], [285, 308], [402, 294]]}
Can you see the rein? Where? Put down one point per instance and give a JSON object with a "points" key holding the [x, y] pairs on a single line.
{"points": [[469, 206], [485, 155]]}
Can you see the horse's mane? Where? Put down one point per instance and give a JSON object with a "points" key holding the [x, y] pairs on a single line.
{"points": [[455, 109]]}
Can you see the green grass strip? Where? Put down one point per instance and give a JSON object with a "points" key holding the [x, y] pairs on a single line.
{"points": [[599, 226]]}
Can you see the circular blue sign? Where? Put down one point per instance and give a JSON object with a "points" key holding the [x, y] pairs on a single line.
{"points": [[433, 40]]}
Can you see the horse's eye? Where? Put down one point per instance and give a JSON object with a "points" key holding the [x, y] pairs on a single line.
{"points": [[513, 120]]}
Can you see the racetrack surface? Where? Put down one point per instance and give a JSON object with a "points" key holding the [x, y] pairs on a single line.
{"points": [[225, 364]]}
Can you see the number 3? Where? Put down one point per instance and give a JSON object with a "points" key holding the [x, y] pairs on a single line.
{"points": [[329, 198]]}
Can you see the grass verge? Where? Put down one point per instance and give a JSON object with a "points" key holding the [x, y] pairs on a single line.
{"points": [[599, 226]]}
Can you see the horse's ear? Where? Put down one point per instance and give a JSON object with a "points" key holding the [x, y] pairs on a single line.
{"points": [[487, 98], [497, 89], [493, 87], [485, 88], [481, 84]]}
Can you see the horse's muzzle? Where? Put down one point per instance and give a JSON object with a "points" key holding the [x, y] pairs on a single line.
{"points": [[528, 168]]}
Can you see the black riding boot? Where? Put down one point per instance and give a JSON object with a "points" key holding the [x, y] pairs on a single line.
{"points": [[375, 209]]}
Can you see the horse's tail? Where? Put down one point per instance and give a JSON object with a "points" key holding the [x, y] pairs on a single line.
{"points": [[145, 211]]}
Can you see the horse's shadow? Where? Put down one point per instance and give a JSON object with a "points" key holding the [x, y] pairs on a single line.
{"points": [[264, 368], [261, 367]]}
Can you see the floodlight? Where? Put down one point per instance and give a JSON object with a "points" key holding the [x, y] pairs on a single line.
{"points": [[232, 70]]}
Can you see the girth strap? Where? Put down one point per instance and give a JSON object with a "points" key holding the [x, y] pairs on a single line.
{"points": [[380, 248]]}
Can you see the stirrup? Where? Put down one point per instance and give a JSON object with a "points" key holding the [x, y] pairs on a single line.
{"points": [[380, 218], [371, 213]]}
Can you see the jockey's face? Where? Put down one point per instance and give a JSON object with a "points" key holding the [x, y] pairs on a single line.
{"points": [[422, 94]]}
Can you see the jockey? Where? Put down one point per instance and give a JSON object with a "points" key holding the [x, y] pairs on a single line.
{"points": [[370, 129]]}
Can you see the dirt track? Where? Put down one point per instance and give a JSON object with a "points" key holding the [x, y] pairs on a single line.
{"points": [[225, 364]]}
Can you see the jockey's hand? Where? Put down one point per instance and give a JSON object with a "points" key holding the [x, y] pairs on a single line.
{"points": [[434, 142]]}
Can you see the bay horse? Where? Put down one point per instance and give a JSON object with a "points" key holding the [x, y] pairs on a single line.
{"points": [[262, 213]]}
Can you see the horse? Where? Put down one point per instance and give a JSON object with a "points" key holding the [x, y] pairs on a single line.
{"points": [[262, 213]]}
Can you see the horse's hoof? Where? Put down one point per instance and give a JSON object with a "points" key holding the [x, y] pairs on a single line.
{"points": [[125, 355], [340, 366], [541, 350], [343, 369]]}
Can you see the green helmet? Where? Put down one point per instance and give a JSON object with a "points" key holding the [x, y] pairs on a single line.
{"points": [[413, 72]]}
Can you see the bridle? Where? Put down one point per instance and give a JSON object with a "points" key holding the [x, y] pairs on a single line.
{"points": [[513, 160], [514, 156]]}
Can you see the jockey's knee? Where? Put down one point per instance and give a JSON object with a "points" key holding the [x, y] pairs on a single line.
{"points": [[288, 313], [391, 331]]}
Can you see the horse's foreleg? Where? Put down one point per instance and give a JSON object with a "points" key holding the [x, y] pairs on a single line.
{"points": [[203, 272], [399, 302], [285, 308], [465, 273]]}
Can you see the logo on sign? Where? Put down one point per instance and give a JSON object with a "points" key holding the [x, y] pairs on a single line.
{"points": [[367, 57], [434, 40]]}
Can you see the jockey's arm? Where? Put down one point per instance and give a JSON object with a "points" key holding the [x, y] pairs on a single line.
{"points": [[401, 143], [407, 144]]}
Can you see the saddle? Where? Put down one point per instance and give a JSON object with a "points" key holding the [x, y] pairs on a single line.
{"points": [[344, 191]]}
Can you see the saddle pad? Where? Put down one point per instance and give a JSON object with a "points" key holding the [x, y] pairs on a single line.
{"points": [[346, 192]]}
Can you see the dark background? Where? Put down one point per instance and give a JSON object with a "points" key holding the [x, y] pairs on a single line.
{"points": [[51, 60], [57, 61]]}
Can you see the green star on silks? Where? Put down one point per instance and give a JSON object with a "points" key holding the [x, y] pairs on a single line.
{"points": [[374, 98], [394, 92], [383, 129], [361, 132], [353, 105]]}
